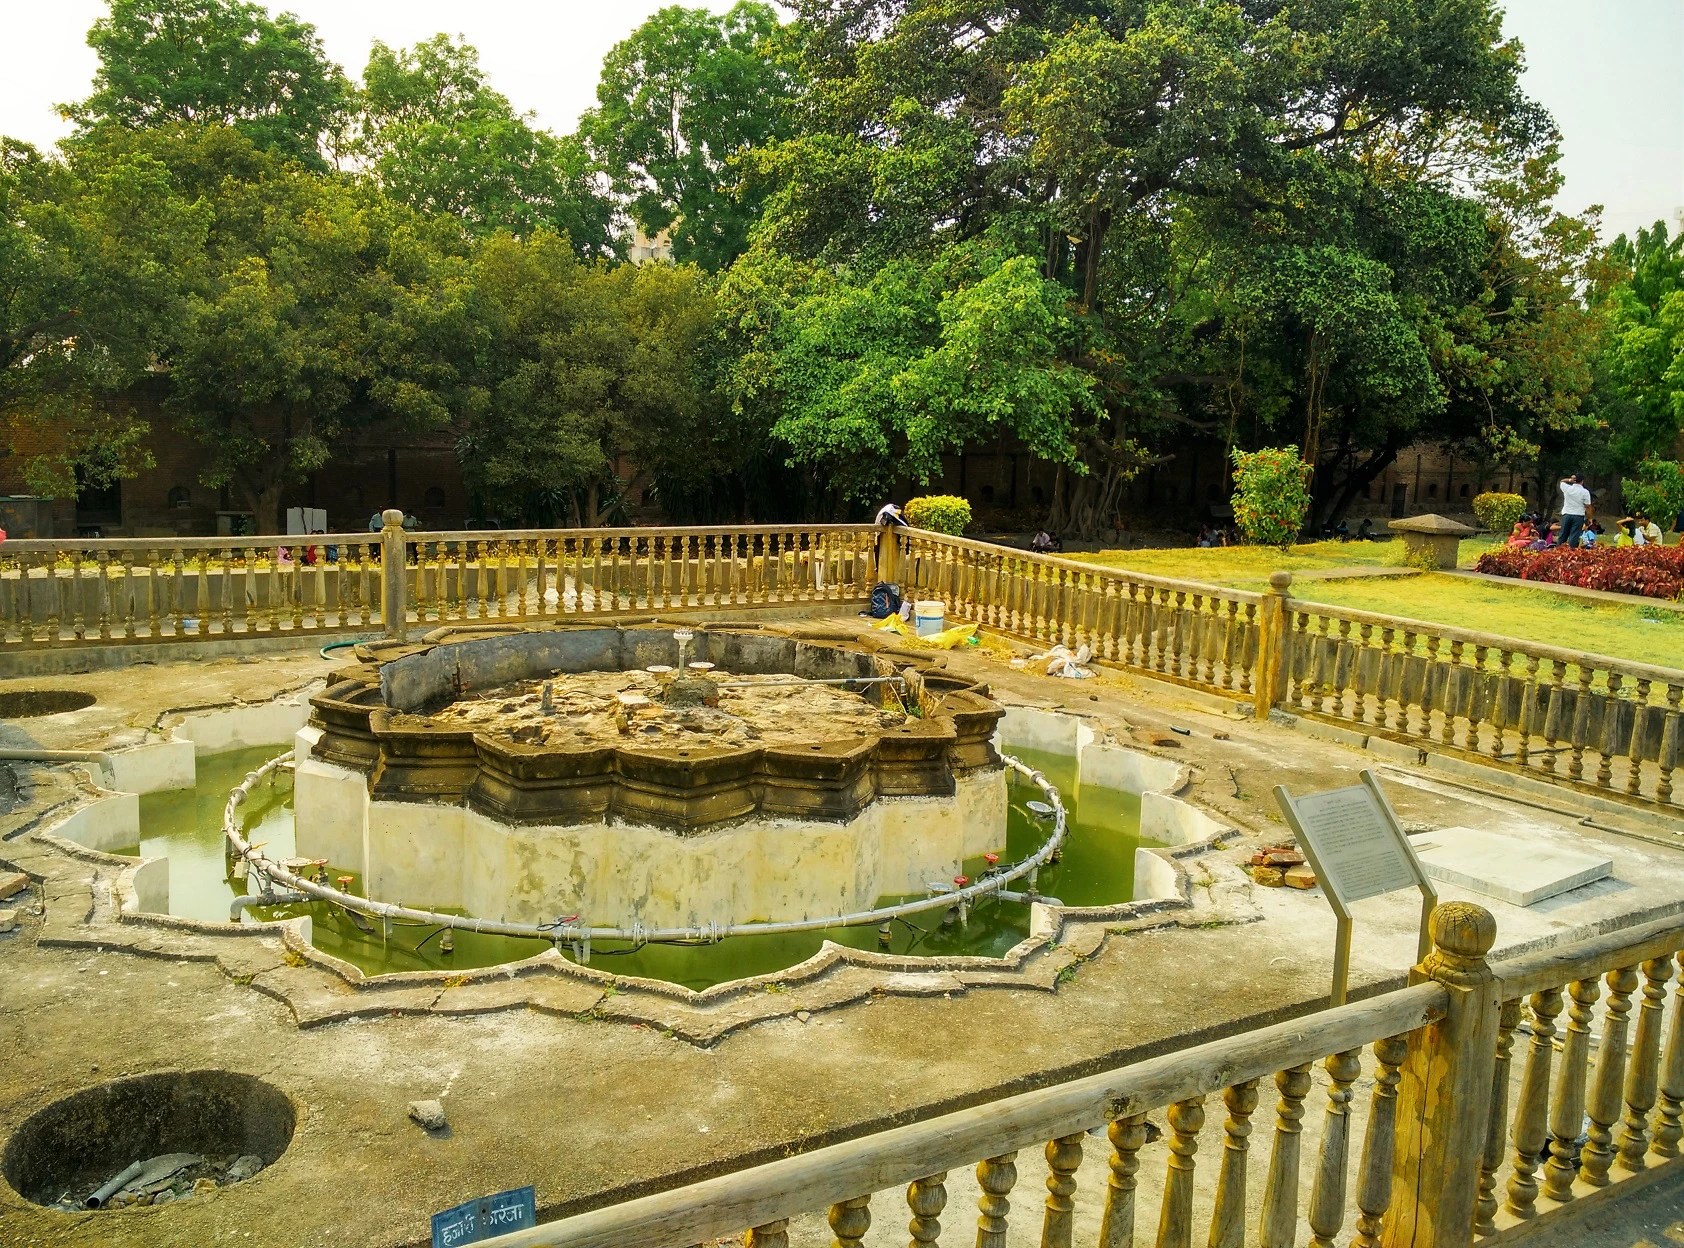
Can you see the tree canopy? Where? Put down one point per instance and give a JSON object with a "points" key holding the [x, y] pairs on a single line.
{"points": [[679, 103], [214, 61], [437, 137]]}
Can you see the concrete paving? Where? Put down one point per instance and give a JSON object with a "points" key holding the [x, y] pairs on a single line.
{"points": [[575, 1094]]}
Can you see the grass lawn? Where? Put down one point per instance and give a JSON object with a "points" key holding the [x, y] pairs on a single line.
{"points": [[1642, 633], [1248, 567]]}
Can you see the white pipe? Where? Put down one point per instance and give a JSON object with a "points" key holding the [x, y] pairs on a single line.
{"points": [[64, 756], [560, 932]]}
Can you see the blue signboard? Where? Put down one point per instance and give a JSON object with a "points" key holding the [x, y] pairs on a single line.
{"points": [[485, 1218]]}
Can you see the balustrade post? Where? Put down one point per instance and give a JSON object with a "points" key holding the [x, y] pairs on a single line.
{"points": [[1445, 1091], [1642, 1080], [1486, 1213], [1116, 1225], [1064, 1155], [1272, 641], [394, 583], [996, 1176], [850, 1220]]}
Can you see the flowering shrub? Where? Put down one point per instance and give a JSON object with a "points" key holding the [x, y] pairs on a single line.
{"points": [[1652, 571], [1499, 513], [1273, 495], [942, 513]]}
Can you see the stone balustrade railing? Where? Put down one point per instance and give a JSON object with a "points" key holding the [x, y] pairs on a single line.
{"points": [[1182, 631], [102, 591], [1600, 724], [1437, 1165]]}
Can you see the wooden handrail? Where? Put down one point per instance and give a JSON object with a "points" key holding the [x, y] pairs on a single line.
{"points": [[1586, 959], [702, 1212], [43, 546]]}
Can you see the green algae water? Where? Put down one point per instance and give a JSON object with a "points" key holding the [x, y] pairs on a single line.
{"points": [[1096, 868]]}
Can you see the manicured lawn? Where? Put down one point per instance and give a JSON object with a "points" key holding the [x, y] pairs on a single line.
{"points": [[1645, 634], [1240, 566], [1642, 633]]}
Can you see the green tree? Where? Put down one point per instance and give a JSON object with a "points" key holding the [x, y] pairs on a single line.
{"points": [[437, 137], [214, 61], [324, 309], [585, 366], [1270, 222], [96, 253], [865, 374], [1643, 382], [679, 102]]}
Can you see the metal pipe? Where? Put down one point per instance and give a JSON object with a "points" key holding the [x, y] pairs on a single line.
{"points": [[261, 899], [568, 932], [113, 1186], [64, 756]]}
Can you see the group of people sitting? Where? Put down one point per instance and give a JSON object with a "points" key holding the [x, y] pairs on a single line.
{"points": [[1579, 527]]}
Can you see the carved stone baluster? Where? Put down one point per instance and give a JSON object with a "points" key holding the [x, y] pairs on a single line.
{"points": [[124, 595], [1670, 743], [1333, 689], [296, 586], [1327, 1199], [1644, 1075], [51, 586], [1374, 1174], [1064, 1155], [1669, 1113], [1634, 746], [1485, 1206], [1175, 1217], [996, 1176], [1227, 1220], [1567, 1110], [771, 1235], [1438, 682], [1531, 1118], [1279, 1224], [78, 625], [1581, 725], [1608, 745], [1528, 712], [102, 593], [231, 586], [1605, 1094], [1391, 683], [926, 1198], [1116, 1225], [849, 1221], [26, 595]]}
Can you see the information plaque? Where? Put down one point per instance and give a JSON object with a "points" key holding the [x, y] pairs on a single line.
{"points": [[485, 1218], [1358, 849]]}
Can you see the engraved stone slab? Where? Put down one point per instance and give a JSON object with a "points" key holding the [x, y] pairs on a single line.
{"points": [[1519, 870]]}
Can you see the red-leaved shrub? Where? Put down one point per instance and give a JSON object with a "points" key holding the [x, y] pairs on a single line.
{"points": [[1652, 571]]}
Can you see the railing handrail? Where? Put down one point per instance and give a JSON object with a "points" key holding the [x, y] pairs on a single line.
{"points": [[1492, 641], [1076, 565], [713, 1208], [51, 545], [1585, 959]]}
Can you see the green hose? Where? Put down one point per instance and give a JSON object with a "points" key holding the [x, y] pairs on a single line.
{"points": [[336, 645]]}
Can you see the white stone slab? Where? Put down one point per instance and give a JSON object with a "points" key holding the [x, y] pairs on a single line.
{"points": [[1518, 870]]}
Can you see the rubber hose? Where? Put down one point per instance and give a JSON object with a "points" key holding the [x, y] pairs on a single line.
{"points": [[336, 645]]}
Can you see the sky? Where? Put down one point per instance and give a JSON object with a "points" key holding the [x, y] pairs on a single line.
{"points": [[1610, 71]]}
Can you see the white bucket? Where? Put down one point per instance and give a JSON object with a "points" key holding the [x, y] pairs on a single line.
{"points": [[928, 617]]}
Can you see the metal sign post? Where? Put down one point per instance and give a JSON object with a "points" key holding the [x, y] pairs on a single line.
{"points": [[1358, 849]]}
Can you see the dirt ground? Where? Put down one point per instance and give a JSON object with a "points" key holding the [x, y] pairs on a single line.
{"points": [[572, 1090], [628, 709]]}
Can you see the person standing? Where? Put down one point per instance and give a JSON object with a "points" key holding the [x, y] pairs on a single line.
{"points": [[1574, 500]]}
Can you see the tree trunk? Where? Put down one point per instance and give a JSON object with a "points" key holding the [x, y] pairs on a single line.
{"points": [[1337, 501]]}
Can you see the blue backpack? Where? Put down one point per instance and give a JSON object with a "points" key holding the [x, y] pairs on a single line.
{"points": [[884, 601]]}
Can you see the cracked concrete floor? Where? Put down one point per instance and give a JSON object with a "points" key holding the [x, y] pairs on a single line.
{"points": [[591, 1110]]}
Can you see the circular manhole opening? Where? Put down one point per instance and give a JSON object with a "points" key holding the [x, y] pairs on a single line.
{"points": [[68, 1151], [28, 703]]}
